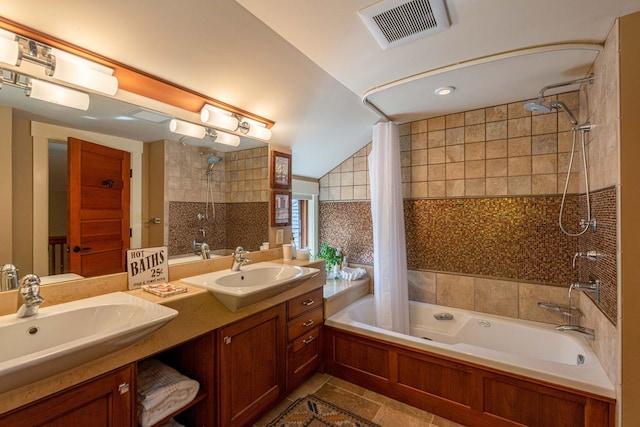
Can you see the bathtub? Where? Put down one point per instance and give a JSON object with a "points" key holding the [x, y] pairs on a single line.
{"points": [[524, 348]]}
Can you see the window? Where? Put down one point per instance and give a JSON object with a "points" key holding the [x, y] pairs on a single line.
{"points": [[300, 221], [304, 214]]}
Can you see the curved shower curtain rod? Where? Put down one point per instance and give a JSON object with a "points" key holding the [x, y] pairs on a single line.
{"points": [[466, 64]]}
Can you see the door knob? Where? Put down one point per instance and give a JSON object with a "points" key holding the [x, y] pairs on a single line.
{"points": [[77, 249]]}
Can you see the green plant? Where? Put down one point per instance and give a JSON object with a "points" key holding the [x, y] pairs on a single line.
{"points": [[330, 255]]}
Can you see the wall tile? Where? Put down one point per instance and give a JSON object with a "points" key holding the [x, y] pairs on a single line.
{"points": [[454, 153], [496, 130], [496, 113], [436, 155], [422, 286], [496, 149], [419, 141], [454, 136], [437, 123], [475, 133], [496, 167], [544, 144], [544, 184], [437, 138], [496, 297], [437, 189], [544, 164], [544, 123], [455, 188], [437, 173], [496, 186], [454, 120], [474, 187], [519, 127], [455, 170], [519, 146], [474, 151], [519, 166], [455, 291], [530, 294], [474, 117], [474, 169], [519, 185]]}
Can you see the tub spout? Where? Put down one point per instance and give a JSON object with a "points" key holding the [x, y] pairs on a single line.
{"points": [[587, 332], [565, 310]]}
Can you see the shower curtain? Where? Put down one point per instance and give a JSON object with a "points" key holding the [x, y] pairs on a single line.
{"points": [[389, 244]]}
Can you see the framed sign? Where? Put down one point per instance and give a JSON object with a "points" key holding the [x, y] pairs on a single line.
{"points": [[280, 208], [146, 266], [280, 170]]}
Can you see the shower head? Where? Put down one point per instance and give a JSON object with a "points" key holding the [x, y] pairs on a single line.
{"points": [[537, 107], [212, 160]]}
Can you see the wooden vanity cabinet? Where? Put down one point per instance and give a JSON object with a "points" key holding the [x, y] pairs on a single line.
{"points": [[108, 400], [305, 317], [251, 366]]}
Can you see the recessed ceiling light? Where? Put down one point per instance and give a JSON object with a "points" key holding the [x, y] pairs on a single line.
{"points": [[445, 90]]}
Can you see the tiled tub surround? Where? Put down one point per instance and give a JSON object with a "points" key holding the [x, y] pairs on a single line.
{"points": [[481, 187], [234, 224], [513, 238]]}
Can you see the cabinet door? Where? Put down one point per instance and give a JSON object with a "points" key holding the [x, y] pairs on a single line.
{"points": [[251, 366], [105, 401]]}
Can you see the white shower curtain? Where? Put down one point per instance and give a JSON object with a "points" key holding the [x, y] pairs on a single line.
{"points": [[389, 244]]}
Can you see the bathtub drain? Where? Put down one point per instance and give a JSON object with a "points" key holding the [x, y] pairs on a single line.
{"points": [[443, 316], [484, 323], [580, 359]]}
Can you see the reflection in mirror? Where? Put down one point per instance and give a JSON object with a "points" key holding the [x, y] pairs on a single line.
{"points": [[237, 185]]}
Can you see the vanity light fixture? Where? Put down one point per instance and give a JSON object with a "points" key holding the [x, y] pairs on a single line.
{"points": [[77, 71], [187, 128], [10, 51], [196, 131], [254, 129], [56, 94], [219, 118], [444, 90]]}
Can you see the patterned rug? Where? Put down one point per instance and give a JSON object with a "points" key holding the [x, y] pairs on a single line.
{"points": [[313, 412]]}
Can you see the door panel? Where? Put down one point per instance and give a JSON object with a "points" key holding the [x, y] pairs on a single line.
{"points": [[98, 234]]}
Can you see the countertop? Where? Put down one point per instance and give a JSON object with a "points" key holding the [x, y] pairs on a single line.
{"points": [[199, 313]]}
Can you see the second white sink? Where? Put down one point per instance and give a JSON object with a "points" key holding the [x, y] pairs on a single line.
{"points": [[254, 283]]}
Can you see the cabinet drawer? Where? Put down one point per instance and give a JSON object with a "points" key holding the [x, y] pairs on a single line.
{"points": [[304, 303], [307, 339], [303, 363], [304, 323]]}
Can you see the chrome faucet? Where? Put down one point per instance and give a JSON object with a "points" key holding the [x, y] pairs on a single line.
{"points": [[568, 311], [202, 249], [8, 277], [593, 287], [238, 258], [589, 255], [587, 332], [29, 292]]}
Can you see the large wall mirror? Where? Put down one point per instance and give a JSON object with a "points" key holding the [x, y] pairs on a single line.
{"points": [[181, 191]]}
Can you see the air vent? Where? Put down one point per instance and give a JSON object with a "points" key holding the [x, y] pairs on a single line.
{"points": [[394, 22]]}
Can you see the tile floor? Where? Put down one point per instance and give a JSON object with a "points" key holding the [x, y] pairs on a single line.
{"points": [[360, 401]]}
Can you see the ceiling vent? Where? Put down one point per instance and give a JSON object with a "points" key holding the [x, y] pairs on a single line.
{"points": [[394, 22]]}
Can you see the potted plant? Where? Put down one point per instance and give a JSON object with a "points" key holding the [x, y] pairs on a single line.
{"points": [[332, 259]]}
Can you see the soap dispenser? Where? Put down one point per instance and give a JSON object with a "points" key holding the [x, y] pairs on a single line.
{"points": [[293, 248]]}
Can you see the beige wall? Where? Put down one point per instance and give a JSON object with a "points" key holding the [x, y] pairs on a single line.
{"points": [[629, 208], [5, 189]]}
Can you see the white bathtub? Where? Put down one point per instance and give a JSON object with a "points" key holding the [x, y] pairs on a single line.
{"points": [[517, 346]]}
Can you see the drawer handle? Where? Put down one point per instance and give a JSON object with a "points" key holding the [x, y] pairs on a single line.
{"points": [[308, 323], [308, 340], [308, 302]]}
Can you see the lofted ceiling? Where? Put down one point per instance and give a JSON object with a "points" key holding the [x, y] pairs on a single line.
{"points": [[308, 65]]}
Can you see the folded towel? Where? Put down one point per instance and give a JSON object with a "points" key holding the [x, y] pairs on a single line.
{"points": [[161, 391], [172, 423]]}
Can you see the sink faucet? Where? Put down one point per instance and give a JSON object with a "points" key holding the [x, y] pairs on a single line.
{"points": [[29, 291], [587, 332], [238, 259]]}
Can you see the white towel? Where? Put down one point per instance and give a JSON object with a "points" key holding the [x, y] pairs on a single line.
{"points": [[161, 391], [172, 423]]}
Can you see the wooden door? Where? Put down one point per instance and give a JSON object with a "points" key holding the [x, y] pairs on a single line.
{"points": [[105, 401], [251, 366], [98, 208]]}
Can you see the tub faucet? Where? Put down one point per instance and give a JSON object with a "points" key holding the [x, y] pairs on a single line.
{"points": [[589, 255], [568, 311], [238, 259], [593, 287], [202, 249], [29, 293], [587, 332]]}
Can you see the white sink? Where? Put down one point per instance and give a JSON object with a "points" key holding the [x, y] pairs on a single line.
{"points": [[254, 283], [66, 335]]}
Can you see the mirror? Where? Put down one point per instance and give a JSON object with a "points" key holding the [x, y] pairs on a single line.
{"points": [[171, 181]]}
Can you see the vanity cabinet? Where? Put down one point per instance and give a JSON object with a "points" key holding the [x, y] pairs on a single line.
{"points": [[251, 366], [108, 400], [305, 317]]}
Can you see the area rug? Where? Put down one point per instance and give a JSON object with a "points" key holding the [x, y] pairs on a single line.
{"points": [[313, 412]]}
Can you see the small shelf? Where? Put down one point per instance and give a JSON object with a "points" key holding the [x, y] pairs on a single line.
{"points": [[202, 395]]}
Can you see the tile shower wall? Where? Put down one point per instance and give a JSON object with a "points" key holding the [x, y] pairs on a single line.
{"points": [[481, 195], [239, 191]]}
